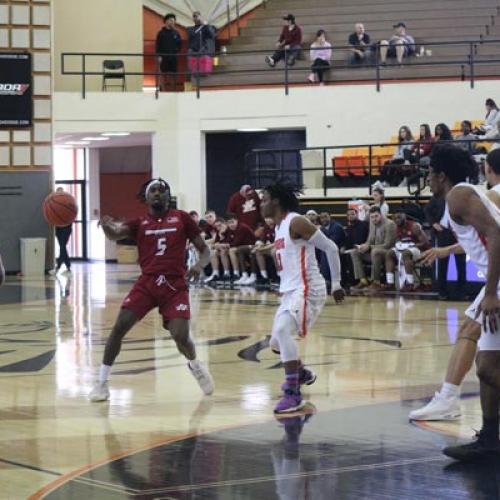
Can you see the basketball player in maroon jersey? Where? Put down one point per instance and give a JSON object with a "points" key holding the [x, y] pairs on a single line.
{"points": [[161, 238]]}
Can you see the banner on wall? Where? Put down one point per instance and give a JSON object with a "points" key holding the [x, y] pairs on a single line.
{"points": [[16, 106]]}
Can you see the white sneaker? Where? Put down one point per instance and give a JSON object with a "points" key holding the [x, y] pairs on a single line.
{"points": [[53, 272], [270, 61], [251, 280], [202, 376], [99, 392], [438, 408], [242, 280], [211, 278]]}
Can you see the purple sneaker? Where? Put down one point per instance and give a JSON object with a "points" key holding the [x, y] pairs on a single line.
{"points": [[306, 376], [290, 402]]}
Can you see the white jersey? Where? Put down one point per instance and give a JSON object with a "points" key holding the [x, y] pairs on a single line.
{"points": [[296, 260], [473, 243]]}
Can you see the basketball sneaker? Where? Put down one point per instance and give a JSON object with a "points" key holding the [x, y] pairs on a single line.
{"points": [[438, 408], [202, 376], [306, 376], [100, 392], [241, 280], [291, 401], [250, 280], [213, 276], [474, 452]]}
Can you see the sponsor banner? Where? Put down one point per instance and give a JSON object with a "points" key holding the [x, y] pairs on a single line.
{"points": [[16, 104]]}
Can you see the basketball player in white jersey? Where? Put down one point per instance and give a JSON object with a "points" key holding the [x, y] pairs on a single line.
{"points": [[475, 220], [302, 287], [445, 404]]}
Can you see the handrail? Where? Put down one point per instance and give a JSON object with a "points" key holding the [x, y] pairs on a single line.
{"points": [[469, 60], [258, 170]]}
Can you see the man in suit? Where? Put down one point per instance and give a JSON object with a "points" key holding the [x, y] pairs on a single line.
{"points": [[381, 239]]}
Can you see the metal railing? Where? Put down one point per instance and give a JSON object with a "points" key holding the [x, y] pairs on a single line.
{"points": [[265, 166], [469, 61]]}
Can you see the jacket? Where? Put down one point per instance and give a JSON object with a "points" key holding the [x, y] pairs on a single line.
{"points": [[386, 238], [168, 41], [200, 38]]}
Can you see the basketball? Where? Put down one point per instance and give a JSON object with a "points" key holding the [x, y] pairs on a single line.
{"points": [[60, 209]]}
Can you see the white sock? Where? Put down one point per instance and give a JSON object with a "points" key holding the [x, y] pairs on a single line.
{"points": [[253, 276], [410, 279], [264, 274], [193, 363], [244, 275], [226, 273], [449, 391], [389, 277], [236, 274], [104, 373]]}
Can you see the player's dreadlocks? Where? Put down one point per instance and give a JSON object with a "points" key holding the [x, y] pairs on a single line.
{"points": [[286, 194], [141, 195]]}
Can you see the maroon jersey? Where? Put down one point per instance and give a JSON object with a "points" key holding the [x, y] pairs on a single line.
{"points": [[161, 242], [243, 235], [406, 234], [226, 237], [247, 211]]}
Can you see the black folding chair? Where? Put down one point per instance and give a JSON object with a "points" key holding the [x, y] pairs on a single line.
{"points": [[113, 69]]}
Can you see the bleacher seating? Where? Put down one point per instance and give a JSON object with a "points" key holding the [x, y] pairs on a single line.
{"points": [[427, 21]]}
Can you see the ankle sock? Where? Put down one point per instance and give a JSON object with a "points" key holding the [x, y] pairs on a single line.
{"points": [[449, 391]]}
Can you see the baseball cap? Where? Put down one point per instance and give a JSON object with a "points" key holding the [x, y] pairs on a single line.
{"points": [[401, 24], [289, 17]]}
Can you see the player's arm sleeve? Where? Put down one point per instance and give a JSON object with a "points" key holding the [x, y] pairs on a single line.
{"points": [[321, 242]]}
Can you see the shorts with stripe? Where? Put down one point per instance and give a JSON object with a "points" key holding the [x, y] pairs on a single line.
{"points": [[488, 341], [304, 305]]}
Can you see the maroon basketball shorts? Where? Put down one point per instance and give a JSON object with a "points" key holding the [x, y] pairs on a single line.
{"points": [[169, 293]]}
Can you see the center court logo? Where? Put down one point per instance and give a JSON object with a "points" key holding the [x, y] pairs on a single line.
{"points": [[13, 88], [182, 307]]}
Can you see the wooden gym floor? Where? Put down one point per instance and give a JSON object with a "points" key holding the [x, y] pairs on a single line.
{"points": [[376, 359]]}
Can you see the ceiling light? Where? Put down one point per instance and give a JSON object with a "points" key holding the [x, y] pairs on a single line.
{"points": [[77, 143], [96, 138], [253, 129], [115, 134]]}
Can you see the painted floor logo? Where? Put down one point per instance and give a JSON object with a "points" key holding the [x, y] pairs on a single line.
{"points": [[13, 88]]}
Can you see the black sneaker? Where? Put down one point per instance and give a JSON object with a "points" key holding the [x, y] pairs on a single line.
{"points": [[306, 377], [476, 451]]}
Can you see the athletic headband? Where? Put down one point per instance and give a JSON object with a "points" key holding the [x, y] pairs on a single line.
{"points": [[153, 183]]}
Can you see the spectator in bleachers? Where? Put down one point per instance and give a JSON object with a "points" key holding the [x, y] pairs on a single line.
{"points": [[240, 246], [467, 135], [444, 237], [410, 241], [245, 203], [442, 133], [264, 247], [222, 243], [289, 43], [321, 55], [360, 41], [378, 195], [491, 119], [168, 41], [400, 45], [381, 239], [201, 45], [356, 232], [494, 133], [423, 147], [391, 173]]}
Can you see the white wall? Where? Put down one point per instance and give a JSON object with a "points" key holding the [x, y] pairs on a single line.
{"points": [[331, 116]]}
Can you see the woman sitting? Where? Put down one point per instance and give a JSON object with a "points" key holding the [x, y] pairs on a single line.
{"points": [[321, 55], [391, 173]]}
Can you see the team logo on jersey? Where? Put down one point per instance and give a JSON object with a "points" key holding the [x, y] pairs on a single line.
{"points": [[279, 244], [182, 307], [171, 220], [249, 206]]}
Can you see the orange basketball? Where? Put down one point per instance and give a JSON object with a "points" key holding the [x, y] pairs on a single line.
{"points": [[60, 209]]}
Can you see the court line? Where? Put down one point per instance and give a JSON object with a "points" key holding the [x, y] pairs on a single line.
{"points": [[31, 467]]}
